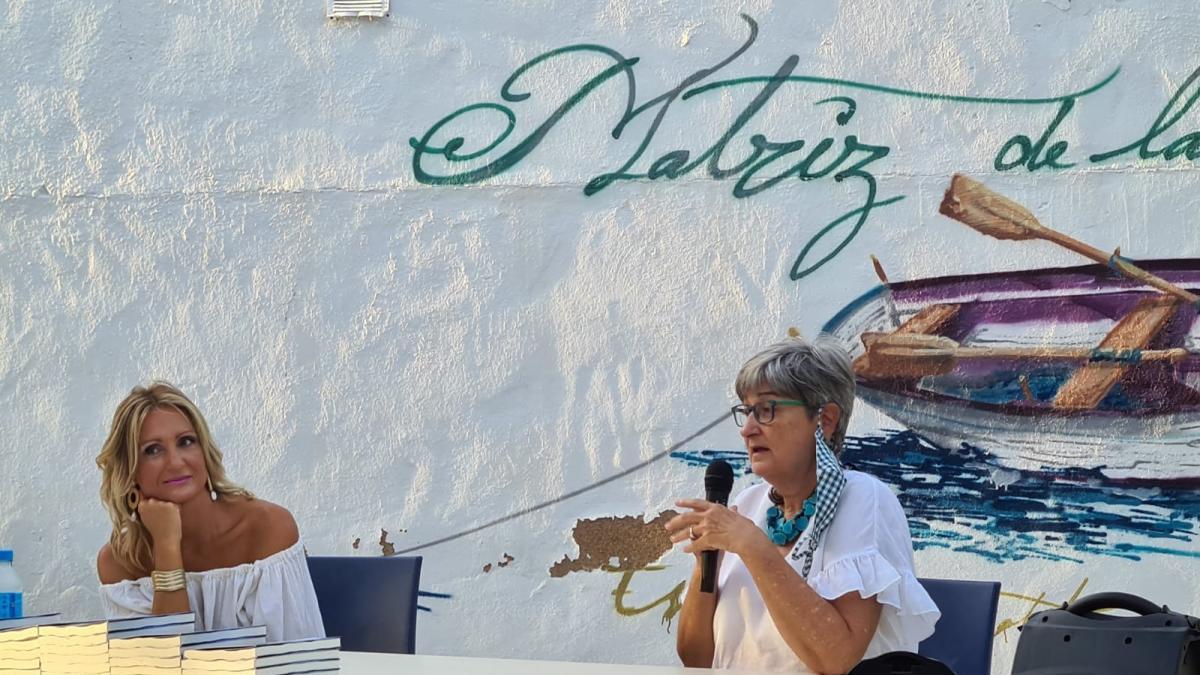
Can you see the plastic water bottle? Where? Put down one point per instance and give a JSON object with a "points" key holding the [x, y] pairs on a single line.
{"points": [[10, 587]]}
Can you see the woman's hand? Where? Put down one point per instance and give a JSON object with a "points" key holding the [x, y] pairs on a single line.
{"points": [[161, 520], [712, 526]]}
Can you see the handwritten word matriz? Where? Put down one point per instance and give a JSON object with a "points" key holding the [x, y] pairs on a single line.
{"points": [[770, 161]]}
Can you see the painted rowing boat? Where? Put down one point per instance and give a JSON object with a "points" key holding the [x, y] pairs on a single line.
{"points": [[1145, 427]]}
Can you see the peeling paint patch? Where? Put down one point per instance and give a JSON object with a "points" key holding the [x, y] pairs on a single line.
{"points": [[616, 544], [504, 562], [388, 547]]}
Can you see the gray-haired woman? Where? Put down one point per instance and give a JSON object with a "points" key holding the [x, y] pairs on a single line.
{"points": [[817, 570]]}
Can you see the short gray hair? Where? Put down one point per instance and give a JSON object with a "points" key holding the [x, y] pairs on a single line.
{"points": [[814, 373]]}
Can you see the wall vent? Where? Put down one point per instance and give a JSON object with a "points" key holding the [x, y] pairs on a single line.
{"points": [[356, 8]]}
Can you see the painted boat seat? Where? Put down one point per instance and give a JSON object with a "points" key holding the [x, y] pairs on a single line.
{"points": [[1092, 382], [929, 321]]}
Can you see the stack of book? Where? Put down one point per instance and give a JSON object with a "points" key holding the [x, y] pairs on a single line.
{"points": [[148, 645], [148, 626], [229, 638], [319, 655], [73, 648], [19, 644]]}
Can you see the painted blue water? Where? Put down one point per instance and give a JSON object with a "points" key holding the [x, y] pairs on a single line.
{"points": [[960, 501]]}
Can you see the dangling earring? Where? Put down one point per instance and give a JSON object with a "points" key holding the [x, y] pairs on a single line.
{"points": [[211, 491], [132, 500]]}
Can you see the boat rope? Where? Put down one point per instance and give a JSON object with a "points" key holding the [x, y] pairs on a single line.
{"points": [[1115, 260], [1131, 355]]}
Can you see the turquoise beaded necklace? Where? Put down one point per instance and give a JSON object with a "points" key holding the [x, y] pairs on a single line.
{"points": [[782, 530]]}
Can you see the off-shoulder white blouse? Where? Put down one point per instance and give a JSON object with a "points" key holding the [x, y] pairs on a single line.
{"points": [[275, 592]]}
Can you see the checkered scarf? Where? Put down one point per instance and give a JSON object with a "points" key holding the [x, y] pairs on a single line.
{"points": [[830, 481]]}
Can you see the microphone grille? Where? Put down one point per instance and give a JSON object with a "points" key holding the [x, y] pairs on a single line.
{"points": [[719, 476]]}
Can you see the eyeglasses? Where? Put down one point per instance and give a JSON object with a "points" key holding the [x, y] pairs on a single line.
{"points": [[763, 411]]}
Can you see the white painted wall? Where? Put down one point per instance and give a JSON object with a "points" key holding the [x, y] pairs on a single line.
{"points": [[222, 194]]}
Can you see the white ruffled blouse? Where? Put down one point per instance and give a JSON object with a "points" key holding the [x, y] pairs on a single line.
{"points": [[276, 592], [866, 549]]}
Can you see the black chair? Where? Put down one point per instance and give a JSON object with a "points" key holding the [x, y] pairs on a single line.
{"points": [[963, 636], [370, 603]]}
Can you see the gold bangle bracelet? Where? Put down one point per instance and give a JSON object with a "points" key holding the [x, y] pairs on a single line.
{"points": [[172, 580]]}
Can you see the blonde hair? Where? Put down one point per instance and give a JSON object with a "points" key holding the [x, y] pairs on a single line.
{"points": [[118, 462]]}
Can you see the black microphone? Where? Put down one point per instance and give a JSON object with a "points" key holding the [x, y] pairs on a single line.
{"points": [[718, 481]]}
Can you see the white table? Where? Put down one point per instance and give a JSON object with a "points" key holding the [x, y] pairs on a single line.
{"points": [[362, 663]]}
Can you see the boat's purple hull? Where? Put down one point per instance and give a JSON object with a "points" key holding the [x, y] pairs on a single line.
{"points": [[1148, 426]]}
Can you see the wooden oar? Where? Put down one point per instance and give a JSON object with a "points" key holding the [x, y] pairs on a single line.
{"points": [[908, 355], [970, 202]]}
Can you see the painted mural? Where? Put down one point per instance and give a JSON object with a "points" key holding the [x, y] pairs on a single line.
{"points": [[1077, 368], [472, 281], [1051, 413], [1042, 413]]}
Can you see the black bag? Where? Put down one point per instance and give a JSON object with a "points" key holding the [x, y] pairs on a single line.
{"points": [[1076, 640], [901, 663]]}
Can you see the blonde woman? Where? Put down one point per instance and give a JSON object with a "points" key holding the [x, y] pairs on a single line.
{"points": [[184, 538]]}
